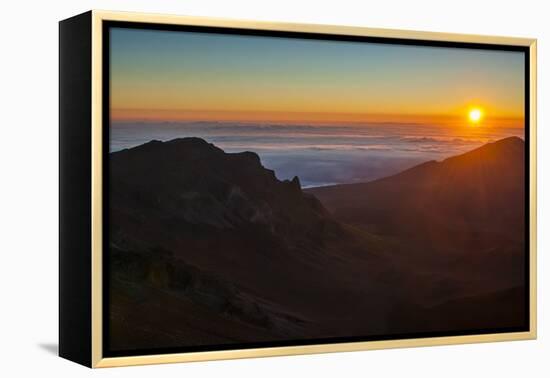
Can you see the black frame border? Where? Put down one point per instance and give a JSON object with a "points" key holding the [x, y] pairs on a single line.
{"points": [[75, 194]]}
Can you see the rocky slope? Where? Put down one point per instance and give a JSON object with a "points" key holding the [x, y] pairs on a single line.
{"points": [[210, 248]]}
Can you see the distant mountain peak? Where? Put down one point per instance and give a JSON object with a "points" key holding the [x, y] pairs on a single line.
{"points": [[510, 148], [512, 139]]}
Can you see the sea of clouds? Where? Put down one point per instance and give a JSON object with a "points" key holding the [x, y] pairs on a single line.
{"points": [[320, 154]]}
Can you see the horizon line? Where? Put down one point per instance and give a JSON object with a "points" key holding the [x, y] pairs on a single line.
{"points": [[290, 118]]}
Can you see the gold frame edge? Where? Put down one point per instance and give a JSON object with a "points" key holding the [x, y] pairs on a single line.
{"points": [[98, 361], [97, 192], [533, 188]]}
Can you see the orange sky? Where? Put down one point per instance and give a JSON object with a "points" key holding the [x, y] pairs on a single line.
{"points": [[182, 76]]}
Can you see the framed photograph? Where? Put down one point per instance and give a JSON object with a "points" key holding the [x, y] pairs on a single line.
{"points": [[235, 189]]}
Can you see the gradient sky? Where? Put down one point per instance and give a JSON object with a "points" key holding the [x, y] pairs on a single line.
{"points": [[165, 75]]}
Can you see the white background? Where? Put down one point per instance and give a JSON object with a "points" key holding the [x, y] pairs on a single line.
{"points": [[29, 188]]}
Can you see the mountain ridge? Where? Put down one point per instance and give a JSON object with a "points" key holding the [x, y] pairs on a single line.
{"points": [[459, 189], [501, 144]]}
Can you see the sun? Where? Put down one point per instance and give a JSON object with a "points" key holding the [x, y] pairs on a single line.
{"points": [[475, 115]]}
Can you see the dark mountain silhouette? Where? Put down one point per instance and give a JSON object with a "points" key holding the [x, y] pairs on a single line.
{"points": [[195, 227], [461, 219], [481, 191], [208, 248], [189, 181]]}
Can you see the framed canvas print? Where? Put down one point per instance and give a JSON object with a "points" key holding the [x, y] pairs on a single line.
{"points": [[236, 189]]}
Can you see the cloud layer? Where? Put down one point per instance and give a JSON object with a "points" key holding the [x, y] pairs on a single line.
{"points": [[320, 155]]}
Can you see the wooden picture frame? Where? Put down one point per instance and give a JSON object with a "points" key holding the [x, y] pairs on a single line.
{"points": [[90, 317]]}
